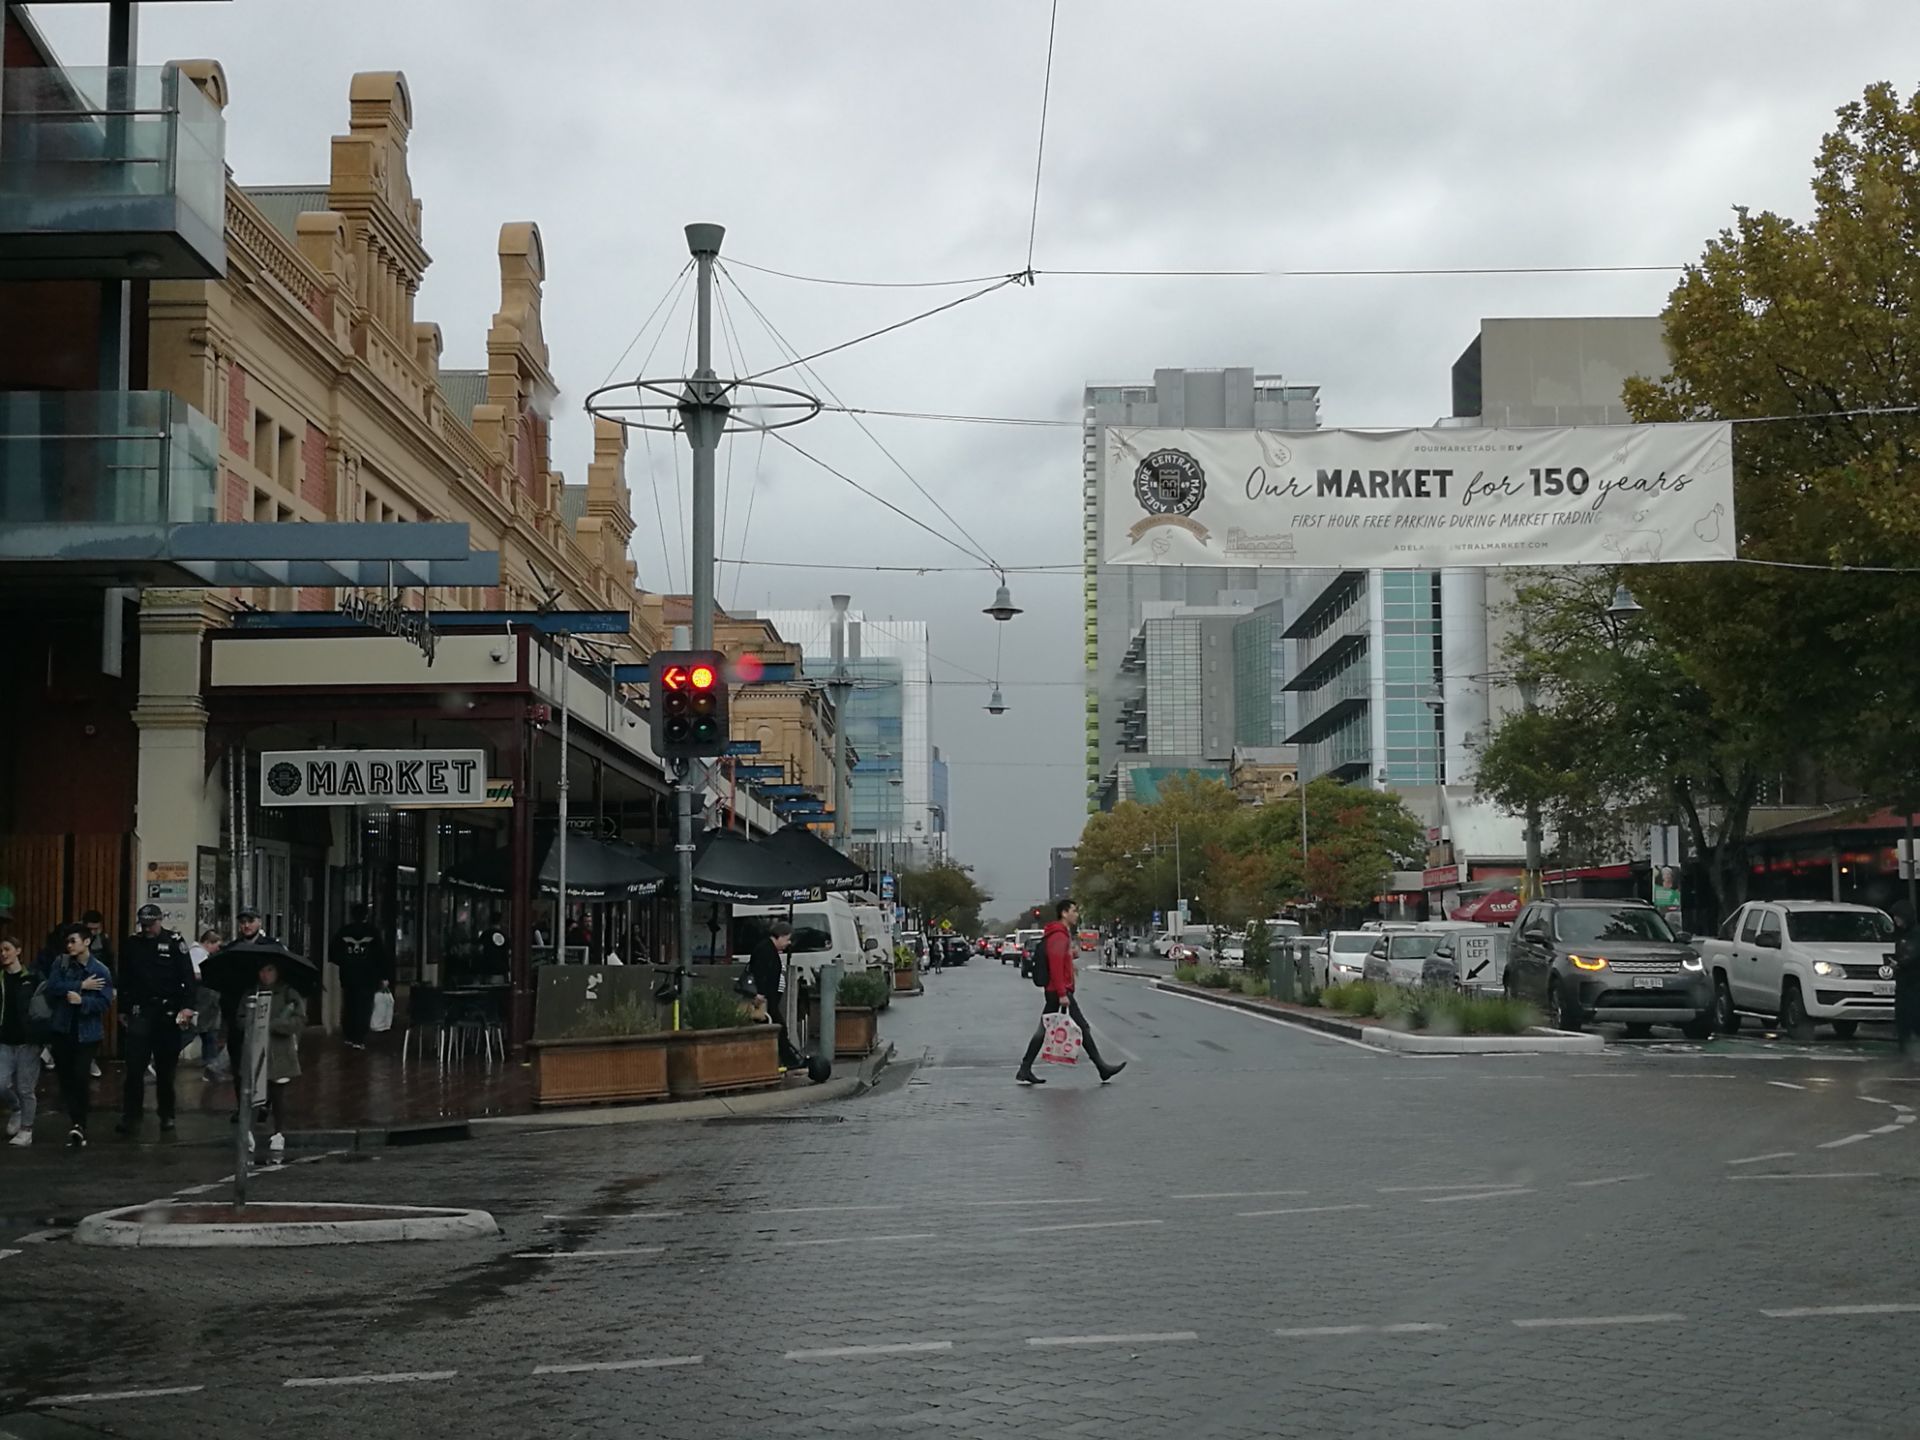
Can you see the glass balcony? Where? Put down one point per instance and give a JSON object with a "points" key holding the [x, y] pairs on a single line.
{"points": [[70, 460], [110, 174]]}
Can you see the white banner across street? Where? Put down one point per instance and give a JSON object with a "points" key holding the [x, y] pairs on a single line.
{"points": [[1418, 499]]}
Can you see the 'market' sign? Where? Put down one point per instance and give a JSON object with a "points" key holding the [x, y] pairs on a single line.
{"points": [[1418, 499], [373, 777]]}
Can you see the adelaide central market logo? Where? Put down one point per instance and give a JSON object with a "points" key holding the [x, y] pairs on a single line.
{"points": [[1169, 484]]}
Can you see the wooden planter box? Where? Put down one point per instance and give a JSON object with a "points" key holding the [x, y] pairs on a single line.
{"points": [[710, 1062], [578, 1072], [856, 1031], [905, 980]]}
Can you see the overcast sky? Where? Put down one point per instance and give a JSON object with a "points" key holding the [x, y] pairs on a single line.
{"points": [[894, 140]]}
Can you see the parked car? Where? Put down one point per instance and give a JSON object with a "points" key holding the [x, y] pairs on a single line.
{"points": [[1608, 960], [1802, 963], [1399, 957], [1347, 952]]}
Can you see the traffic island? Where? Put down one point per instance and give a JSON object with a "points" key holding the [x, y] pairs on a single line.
{"points": [[1381, 1035], [203, 1226]]}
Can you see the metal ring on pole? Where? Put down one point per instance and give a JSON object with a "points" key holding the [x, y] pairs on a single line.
{"points": [[673, 395]]}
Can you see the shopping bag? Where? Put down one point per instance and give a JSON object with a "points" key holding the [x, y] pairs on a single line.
{"points": [[382, 1012], [1062, 1045]]}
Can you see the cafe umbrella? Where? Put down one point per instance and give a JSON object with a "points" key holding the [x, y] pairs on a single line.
{"points": [[815, 859], [596, 869]]}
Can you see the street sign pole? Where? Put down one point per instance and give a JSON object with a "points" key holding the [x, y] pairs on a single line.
{"points": [[247, 1085]]}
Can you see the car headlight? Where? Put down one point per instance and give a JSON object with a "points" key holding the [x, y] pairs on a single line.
{"points": [[1696, 964], [1828, 968], [1588, 962]]}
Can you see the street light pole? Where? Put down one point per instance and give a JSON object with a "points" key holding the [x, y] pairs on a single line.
{"points": [[1530, 702]]}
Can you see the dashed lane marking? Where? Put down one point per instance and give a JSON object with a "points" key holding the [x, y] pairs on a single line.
{"points": [[1305, 1332], [1843, 1140], [1607, 1180], [1760, 1159], [629, 1215], [1161, 1337], [1240, 1195], [1885, 1129], [1439, 1189], [1085, 1225], [8, 1254], [1478, 1195], [853, 1240], [1298, 1210], [1786, 1085], [820, 1209], [995, 1204], [1573, 1322], [1804, 1312], [587, 1254], [1816, 1175], [841, 1352], [97, 1397], [395, 1377], [592, 1366]]}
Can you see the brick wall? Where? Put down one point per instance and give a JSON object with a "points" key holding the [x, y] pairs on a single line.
{"points": [[238, 499], [239, 413], [316, 480], [312, 597]]}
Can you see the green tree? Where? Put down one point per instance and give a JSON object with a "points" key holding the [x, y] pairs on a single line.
{"points": [[945, 892], [1356, 838], [1135, 858]]}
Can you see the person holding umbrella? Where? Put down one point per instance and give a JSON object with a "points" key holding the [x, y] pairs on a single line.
{"points": [[234, 982], [286, 1018]]}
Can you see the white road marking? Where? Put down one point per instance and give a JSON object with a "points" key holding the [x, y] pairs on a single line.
{"points": [[1908, 1118], [1577, 1321], [40, 1237], [198, 1189], [1275, 1020], [1298, 1210], [594, 1365], [586, 1254], [984, 1204], [6, 1254], [95, 1397], [1239, 1195], [1816, 1175], [1786, 1085], [1843, 1140], [857, 1239], [820, 1209], [1801, 1312], [1885, 1129], [1313, 1331], [836, 1352], [397, 1377], [1770, 1155], [1161, 1337], [1438, 1189], [629, 1215], [1480, 1195], [1609, 1180], [1085, 1225]]}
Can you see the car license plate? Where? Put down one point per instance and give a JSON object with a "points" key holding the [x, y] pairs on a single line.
{"points": [[1886, 989], [1648, 982]]}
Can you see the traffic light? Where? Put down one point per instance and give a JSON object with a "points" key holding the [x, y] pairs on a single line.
{"points": [[689, 703]]}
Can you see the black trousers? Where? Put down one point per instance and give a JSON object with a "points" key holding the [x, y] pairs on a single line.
{"points": [[72, 1061], [1071, 1005], [356, 1006], [159, 1046]]}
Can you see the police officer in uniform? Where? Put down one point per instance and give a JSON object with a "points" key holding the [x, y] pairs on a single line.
{"points": [[156, 992]]}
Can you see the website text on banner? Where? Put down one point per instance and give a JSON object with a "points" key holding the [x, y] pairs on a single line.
{"points": [[1418, 499]]}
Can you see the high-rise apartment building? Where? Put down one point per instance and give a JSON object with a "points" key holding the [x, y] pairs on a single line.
{"points": [[888, 723], [1137, 678]]}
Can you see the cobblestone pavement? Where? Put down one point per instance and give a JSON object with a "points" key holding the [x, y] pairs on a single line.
{"points": [[1254, 1231]]}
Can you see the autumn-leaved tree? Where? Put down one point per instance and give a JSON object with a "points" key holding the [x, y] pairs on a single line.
{"points": [[944, 892], [1356, 838]]}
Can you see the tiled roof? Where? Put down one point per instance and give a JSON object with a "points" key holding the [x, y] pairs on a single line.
{"points": [[283, 205], [462, 390]]}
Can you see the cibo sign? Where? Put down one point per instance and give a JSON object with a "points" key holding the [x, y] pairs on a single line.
{"points": [[373, 777]]}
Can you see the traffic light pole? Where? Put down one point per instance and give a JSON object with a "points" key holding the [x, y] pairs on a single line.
{"points": [[703, 415]]}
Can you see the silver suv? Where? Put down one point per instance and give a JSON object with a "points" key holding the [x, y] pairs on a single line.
{"points": [[1608, 960]]}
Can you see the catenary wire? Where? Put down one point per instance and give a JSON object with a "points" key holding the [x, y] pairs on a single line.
{"points": [[1278, 274], [872, 495], [782, 342], [674, 286], [1000, 284], [1040, 148]]}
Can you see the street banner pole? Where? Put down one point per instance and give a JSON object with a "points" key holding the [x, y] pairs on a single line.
{"points": [[248, 1084]]}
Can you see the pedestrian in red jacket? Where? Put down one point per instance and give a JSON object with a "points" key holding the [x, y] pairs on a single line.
{"points": [[1057, 945]]}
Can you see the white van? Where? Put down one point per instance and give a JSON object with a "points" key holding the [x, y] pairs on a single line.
{"points": [[824, 932], [875, 922]]}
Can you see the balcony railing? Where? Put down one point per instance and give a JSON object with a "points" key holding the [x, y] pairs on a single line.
{"points": [[110, 174], [141, 458]]}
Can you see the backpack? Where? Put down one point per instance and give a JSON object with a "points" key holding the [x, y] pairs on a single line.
{"points": [[1034, 964], [39, 1015]]}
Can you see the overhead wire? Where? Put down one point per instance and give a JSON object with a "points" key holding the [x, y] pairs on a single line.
{"points": [[1040, 149], [679, 504], [673, 287], [1000, 284], [1326, 273], [874, 496], [781, 341], [1073, 568], [646, 435], [736, 359]]}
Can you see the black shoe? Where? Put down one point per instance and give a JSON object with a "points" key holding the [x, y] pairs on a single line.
{"points": [[1112, 1070], [76, 1139], [1027, 1077], [166, 1126], [126, 1127]]}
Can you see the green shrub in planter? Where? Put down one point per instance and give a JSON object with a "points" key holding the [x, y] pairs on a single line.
{"points": [[861, 991], [1359, 998], [609, 1019], [1251, 985], [708, 1008], [1257, 949], [1186, 974], [1214, 979]]}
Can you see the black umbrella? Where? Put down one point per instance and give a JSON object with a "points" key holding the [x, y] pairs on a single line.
{"points": [[729, 866], [234, 969], [815, 859], [596, 869]]}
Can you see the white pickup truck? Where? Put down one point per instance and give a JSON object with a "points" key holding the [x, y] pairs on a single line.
{"points": [[1802, 963]]}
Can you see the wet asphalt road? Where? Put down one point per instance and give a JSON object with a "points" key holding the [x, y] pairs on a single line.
{"points": [[1255, 1231]]}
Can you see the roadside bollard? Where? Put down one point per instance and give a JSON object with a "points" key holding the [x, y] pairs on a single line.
{"points": [[1281, 974]]}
